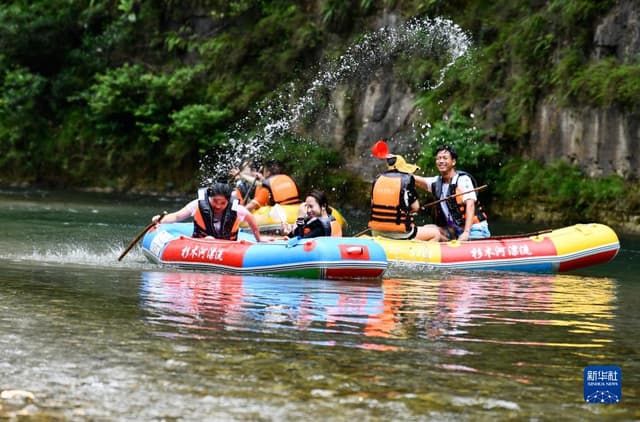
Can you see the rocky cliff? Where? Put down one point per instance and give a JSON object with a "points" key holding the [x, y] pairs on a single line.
{"points": [[602, 141]]}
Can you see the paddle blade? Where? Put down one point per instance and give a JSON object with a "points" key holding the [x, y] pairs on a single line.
{"points": [[380, 150], [277, 213]]}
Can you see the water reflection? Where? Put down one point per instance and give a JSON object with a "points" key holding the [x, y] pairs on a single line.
{"points": [[576, 311], [263, 305], [97, 339], [581, 306]]}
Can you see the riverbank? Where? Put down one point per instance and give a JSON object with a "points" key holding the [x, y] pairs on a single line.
{"points": [[624, 218], [625, 221]]}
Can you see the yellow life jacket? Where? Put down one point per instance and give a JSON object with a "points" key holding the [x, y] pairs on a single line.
{"points": [[336, 228]]}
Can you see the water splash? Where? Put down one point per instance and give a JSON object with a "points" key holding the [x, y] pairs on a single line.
{"points": [[81, 255], [254, 136]]}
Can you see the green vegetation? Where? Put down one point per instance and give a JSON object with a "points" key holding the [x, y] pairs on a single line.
{"points": [[525, 189], [524, 52], [129, 94], [314, 167], [606, 83], [561, 194], [475, 155]]}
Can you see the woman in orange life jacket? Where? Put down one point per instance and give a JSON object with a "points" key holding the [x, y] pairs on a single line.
{"points": [[314, 218], [215, 213], [394, 200], [276, 188], [461, 217]]}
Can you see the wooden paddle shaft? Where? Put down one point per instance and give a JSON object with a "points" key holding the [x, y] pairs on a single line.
{"points": [[430, 204], [139, 236]]}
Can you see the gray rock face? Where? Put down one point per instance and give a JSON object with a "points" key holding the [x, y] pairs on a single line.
{"points": [[359, 116], [619, 32], [601, 141], [386, 112]]}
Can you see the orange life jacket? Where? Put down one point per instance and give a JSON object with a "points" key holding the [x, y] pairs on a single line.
{"points": [[203, 220], [283, 189], [389, 212], [336, 227]]}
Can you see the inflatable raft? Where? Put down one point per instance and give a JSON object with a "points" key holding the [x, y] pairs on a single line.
{"points": [[269, 218], [549, 251], [322, 257]]}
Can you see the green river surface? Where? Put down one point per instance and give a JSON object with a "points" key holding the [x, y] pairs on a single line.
{"points": [[86, 337]]}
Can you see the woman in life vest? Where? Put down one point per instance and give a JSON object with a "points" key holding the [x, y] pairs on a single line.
{"points": [[314, 218], [394, 200], [461, 217], [215, 213], [276, 188]]}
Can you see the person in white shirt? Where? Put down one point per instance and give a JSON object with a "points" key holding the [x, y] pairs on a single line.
{"points": [[460, 217], [215, 213]]}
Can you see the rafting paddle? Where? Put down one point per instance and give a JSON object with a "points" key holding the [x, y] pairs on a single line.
{"points": [[380, 150], [430, 204], [139, 236], [362, 233], [277, 213]]}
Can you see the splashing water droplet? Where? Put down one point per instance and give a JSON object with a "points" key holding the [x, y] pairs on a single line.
{"points": [[253, 137]]}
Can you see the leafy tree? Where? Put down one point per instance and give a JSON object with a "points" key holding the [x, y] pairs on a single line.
{"points": [[21, 124], [135, 111], [475, 153]]}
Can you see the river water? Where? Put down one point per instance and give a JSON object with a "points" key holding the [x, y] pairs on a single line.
{"points": [[85, 337]]}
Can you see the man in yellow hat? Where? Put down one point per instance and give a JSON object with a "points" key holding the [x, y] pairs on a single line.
{"points": [[394, 200]]}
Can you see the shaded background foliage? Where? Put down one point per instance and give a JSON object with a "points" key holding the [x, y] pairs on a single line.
{"points": [[129, 94]]}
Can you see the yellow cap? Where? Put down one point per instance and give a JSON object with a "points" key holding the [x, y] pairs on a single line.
{"points": [[397, 162]]}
